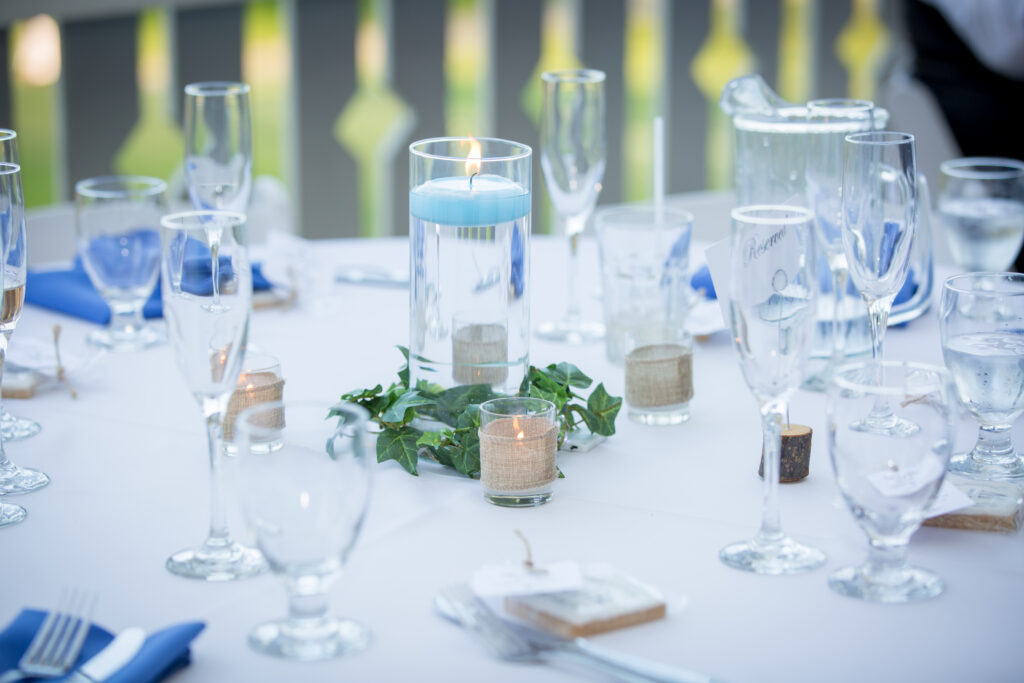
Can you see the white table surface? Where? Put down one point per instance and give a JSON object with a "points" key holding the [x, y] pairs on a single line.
{"points": [[129, 473]]}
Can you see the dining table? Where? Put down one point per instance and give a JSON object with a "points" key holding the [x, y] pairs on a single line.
{"points": [[130, 472]]}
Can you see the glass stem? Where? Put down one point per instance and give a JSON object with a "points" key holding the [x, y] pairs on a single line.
{"points": [[218, 538], [574, 227], [126, 320], [772, 414], [306, 610], [887, 562], [994, 446], [839, 277], [878, 315], [7, 468]]}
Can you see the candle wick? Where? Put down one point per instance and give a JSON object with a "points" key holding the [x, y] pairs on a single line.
{"points": [[473, 175]]}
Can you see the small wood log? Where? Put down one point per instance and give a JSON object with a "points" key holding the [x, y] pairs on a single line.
{"points": [[795, 462]]}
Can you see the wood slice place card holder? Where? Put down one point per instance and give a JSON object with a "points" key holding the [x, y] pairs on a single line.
{"points": [[795, 456], [518, 441]]}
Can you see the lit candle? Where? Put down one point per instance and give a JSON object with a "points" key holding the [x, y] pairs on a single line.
{"points": [[260, 383], [518, 441]]}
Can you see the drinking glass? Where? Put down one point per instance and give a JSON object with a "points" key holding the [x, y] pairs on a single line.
{"points": [[981, 207], [772, 310], [13, 479], [305, 503], [11, 426], [572, 158], [981, 320], [218, 145], [207, 297], [879, 220], [889, 479], [830, 121], [117, 219]]}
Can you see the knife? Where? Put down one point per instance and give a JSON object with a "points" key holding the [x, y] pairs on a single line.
{"points": [[111, 659]]}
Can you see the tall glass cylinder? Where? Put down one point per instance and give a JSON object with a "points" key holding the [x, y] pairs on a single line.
{"points": [[469, 237]]}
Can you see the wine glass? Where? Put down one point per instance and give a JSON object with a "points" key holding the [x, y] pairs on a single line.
{"points": [[981, 320], [830, 121], [889, 479], [13, 479], [117, 219], [218, 145], [305, 503], [879, 220], [207, 297], [573, 158], [11, 426], [981, 207], [772, 307]]}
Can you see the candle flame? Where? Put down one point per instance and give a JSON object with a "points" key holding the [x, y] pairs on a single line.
{"points": [[517, 426], [250, 386], [473, 159], [519, 435]]}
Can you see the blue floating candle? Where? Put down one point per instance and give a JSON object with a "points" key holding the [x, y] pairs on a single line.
{"points": [[487, 200]]}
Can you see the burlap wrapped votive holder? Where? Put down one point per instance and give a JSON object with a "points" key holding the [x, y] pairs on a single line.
{"points": [[517, 452], [254, 388], [474, 348], [659, 381]]}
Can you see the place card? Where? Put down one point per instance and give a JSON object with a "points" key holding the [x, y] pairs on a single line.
{"points": [[518, 579], [907, 481], [949, 499]]}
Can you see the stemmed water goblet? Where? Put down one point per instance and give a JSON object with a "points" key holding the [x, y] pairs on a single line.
{"points": [[879, 221], [772, 310], [207, 297], [889, 479], [572, 148], [117, 220], [11, 426], [981, 207], [218, 145], [981, 320], [304, 502], [829, 122], [13, 267]]}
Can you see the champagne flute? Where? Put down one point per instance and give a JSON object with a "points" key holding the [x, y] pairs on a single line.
{"points": [[889, 479], [981, 320], [13, 479], [304, 501], [207, 296], [879, 221], [11, 426], [772, 307], [218, 145], [117, 218], [830, 120], [573, 158]]}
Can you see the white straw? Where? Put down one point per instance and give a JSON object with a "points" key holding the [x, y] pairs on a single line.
{"points": [[659, 170]]}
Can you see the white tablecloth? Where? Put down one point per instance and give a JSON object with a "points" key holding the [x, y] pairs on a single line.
{"points": [[129, 473]]}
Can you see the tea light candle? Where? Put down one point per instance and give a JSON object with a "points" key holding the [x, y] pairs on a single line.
{"points": [[518, 440], [476, 345], [261, 383]]}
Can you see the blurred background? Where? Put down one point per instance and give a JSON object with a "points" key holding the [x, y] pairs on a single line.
{"points": [[341, 87]]}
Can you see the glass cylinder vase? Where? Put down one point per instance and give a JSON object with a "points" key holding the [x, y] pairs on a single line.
{"points": [[469, 238]]}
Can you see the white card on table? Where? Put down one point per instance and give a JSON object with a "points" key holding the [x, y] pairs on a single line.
{"points": [[949, 499], [906, 481], [516, 579]]}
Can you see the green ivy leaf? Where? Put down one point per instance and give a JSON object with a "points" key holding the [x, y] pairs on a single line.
{"points": [[399, 445], [451, 403], [602, 408], [434, 439], [568, 374], [553, 396], [403, 372], [403, 410], [359, 395]]}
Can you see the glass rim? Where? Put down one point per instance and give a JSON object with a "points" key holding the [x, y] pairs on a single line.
{"points": [[525, 152], [542, 407], [355, 415], [7, 134], [838, 379], [842, 105], [879, 137], [743, 214], [583, 76], [217, 88], [950, 283], [1003, 168], [174, 221], [144, 186], [604, 214], [9, 168]]}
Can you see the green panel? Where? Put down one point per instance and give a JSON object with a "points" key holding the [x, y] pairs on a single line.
{"points": [[266, 67]]}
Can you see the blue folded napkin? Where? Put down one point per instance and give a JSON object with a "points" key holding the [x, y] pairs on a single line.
{"points": [[163, 652], [71, 291]]}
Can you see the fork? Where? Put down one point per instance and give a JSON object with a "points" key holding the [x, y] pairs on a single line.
{"points": [[515, 643], [59, 639]]}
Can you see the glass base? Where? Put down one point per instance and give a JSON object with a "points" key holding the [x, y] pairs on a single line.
{"points": [[229, 563], [13, 427], [330, 638], [118, 341], [783, 557], [665, 415], [22, 480], [11, 514], [855, 582], [571, 332], [993, 470], [511, 500], [889, 425]]}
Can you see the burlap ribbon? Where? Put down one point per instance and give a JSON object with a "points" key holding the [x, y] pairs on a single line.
{"points": [[260, 387], [474, 345], [659, 375], [509, 464]]}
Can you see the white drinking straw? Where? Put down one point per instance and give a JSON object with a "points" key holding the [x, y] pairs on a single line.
{"points": [[659, 171]]}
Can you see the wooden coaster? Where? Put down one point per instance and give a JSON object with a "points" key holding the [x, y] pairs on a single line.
{"points": [[795, 462]]}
